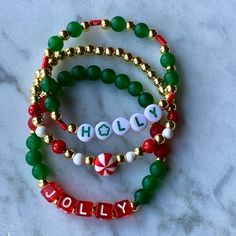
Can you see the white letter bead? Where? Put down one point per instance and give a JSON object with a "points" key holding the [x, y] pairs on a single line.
{"points": [[120, 126], [103, 130], [85, 132], [153, 112], [167, 133], [130, 157], [78, 159], [41, 131], [138, 122]]}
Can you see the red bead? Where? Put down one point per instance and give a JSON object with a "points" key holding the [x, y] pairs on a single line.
{"points": [[66, 203], [34, 109], [30, 124], [51, 191], [58, 146], [161, 150], [104, 210], [84, 208], [171, 98], [156, 128], [62, 124], [173, 115], [148, 145], [44, 62], [161, 40], [95, 22], [43, 110], [123, 208]]}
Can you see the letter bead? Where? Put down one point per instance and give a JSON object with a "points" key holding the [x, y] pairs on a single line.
{"points": [[84, 208], [104, 210], [138, 122], [103, 130], [85, 132], [120, 126], [51, 191], [123, 208], [153, 112], [66, 203]]}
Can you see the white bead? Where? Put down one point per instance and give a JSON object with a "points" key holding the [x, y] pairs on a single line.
{"points": [[120, 126], [78, 159], [153, 112], [41, 131], [85, 132], [103, 130], [138, 122], [167, 133], [130, 157]]}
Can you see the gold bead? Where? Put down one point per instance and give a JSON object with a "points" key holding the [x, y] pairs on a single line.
{"points": [[164, 48], [172, 107], [69, 153], [138, 151], [88, 160], [85, 25], [35, 99], [128, 57], [170, 88], [157, 81], [38, 73], [64, 35], [37, 121], [120, 158], [70, 52], [99, 50], [80, 50], [137, 61], [48, 52], [72, 128], [160, 139], [170, 124], [130, 25], [89, 48], [119, 52], [109, 51], [105, 24], [48, 138], [170, 68], [134, 206], [152, 34], [161, 89], [163, 104], [60, 55], [53, 61], [55, 115], [151, 74], [42, 183], [145, 67], [45, 72], [37, 82], [34, 90]]}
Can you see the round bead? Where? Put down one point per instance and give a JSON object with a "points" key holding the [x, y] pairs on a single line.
{"points": [[78, 72], [108, 76], [49, 85], [141, 196], [64, 79], [120, 126], [33, 142], [48, 138], [72, 128], [138, 122], [40, 171], [130, 157], [149, 183], [122, 81], [173, 115], [171, 77], [145, 99], [167, 133], [118, 24], [156, 128], [103, 130], [153, 112], [51, 103], [41, 131], [78, 159], [55, 43], [148, 145], [30, 124], [74, 29], [167, 59], [161, 150], [34, 109], [105, 164], [135, 88], [141, 30], [33, 157], [58, 146], [158, 169], [85, 132], [93, 72]]}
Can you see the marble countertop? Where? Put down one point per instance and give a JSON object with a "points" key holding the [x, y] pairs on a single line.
{"points": [[199, 197]]}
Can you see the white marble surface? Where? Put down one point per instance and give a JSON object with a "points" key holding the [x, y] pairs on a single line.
{"points": [[199, 197]]}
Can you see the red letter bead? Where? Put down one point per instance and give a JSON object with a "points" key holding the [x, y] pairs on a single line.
{"points": [[123, 208], [148, 145], [34, 109], [156, 128], [84, 208], [104, 210], [66, 203], [51, 191], [173, 115], [161, 150], [58, 146]]}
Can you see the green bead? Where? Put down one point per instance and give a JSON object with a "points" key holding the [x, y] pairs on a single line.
{"points": [[51, 103], [135, 88], [33, 157], [167, 59], [64, 79], [158, 169], [145, 99], [55, 43], [122, 81], [150, 182], [171, 77], [142, 196], [141, 30], [118, 23], [93, 72], [108, 76], [48, 84], [33, 142], [78, 72], [74, 29], [40, 171]]}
